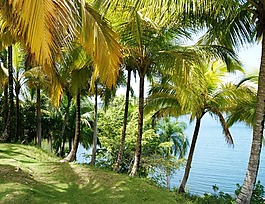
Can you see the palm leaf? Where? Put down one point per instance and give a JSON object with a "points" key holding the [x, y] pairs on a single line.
{"points": [[39, 25], [100, 42], [253, 78], [228, 136], [42, 26]]}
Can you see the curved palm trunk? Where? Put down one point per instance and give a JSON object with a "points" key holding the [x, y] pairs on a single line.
{"points": [[95, 133], [254, 160], [125, 117], [138, 150], [191, 152], [72, 155], [38, 136], [8, 133], [66, 116]]}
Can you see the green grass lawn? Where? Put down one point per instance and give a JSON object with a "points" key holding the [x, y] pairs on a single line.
{"points": [[29, 175]]}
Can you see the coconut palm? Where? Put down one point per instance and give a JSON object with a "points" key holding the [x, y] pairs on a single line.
{"points": [[148, 37], [173, 139], [143, 48], [19, 58], [36, 79], [76, 73], [239, 23], [125, 117], [200, 96]]}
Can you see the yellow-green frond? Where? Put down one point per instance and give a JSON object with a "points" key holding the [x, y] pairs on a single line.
{"points": [[39, 26], [101, 42]]}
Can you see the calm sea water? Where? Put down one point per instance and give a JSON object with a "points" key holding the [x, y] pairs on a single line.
{"points": [[214, 162]]}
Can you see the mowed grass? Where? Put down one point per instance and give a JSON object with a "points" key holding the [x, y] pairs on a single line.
{"points": [[29, 175]]}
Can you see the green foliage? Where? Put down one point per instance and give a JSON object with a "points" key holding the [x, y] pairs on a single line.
{"points": [[219, 197], [155, 157], [110, 124]]}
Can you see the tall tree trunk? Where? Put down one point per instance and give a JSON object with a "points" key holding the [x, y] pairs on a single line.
{"points": [[70, 142], [5, 111], [18, 130], [168, 178], [72, 155], [138, 150], [125, 117], [38, 134], [254, 160], [66, 116], [50, 142], [8, 133], [191, 152], [95, 133], [168, 168]]}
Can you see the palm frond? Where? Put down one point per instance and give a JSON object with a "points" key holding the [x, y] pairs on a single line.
{"points": [[39, 25], [6, 37], [42, 26], [232, 26], [100, 42], [228, 136], [253, 78]]}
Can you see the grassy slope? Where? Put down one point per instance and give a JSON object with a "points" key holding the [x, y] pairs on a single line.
{"points": [[29, 175]]}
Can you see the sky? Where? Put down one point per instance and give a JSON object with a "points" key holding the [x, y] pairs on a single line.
{"points": [[250, 57]]}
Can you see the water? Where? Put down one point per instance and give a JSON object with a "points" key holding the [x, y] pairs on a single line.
{"points": [[82, 154], [215, 163]]}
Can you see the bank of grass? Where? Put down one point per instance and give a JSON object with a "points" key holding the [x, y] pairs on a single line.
{"points": [[29, 175]]}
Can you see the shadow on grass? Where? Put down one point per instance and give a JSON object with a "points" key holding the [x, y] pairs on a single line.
{"points": [[29, 181], [19, 186], [10, 151]]}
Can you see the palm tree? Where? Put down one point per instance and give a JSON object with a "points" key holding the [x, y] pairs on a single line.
{"points": [[136, 36], [76, 71], [20, 80], [148, 37], [242, 21], [172, 136], [125, 117], [35, 78], [199, 97], [143, 43], [78, 75], [66, 116]]}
